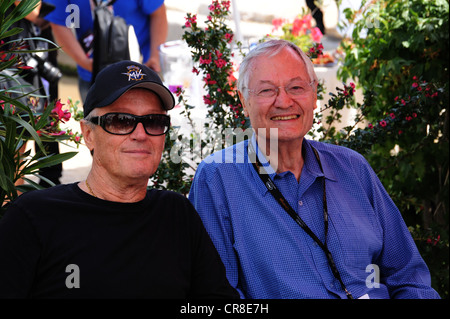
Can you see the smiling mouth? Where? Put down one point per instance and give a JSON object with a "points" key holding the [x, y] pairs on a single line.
{"points": [[144, 152], [285, 118]]}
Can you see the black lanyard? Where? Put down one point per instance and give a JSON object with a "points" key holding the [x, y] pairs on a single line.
{"points": [[283, 202]]}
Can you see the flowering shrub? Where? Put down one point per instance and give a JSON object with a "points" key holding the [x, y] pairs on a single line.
{"points": [[57, 117], [18, 122], [212, 54], [399, 56]]}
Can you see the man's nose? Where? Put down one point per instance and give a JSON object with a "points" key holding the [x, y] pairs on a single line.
{"points": [[139, 132], [282, 99]]}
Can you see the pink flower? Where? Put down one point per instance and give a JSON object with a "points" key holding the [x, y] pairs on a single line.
{"points": [[370, 126], [229, 37], [396, 99], [58, 111], [403, 102], [194, 70], [220, 63], [383, 123], [414, 85], [297, 27], [190, 21], [206, 61], [58, 133], [277, 23], [316, 34], [392, 115], [207, 100]]}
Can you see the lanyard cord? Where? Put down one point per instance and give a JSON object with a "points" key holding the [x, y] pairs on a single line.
{"points": [[283, 202]]}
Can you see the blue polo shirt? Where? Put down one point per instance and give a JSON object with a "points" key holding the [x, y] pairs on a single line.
{"points": [[268, 255]]}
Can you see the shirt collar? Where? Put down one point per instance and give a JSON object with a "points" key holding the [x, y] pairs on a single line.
{"points": [[311, 163]]}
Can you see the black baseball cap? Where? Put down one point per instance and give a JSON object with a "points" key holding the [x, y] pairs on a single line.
{"points": [[116, 79]]}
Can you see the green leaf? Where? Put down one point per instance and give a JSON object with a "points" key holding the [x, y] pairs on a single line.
{"points": [[48, 161]]}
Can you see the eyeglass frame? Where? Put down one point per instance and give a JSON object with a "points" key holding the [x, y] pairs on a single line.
{"points": [[100, 121], [311, 84]]}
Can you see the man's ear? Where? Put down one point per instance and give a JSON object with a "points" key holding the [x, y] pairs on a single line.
{"points": [[315, 97], [243, 102], [87, 131]]}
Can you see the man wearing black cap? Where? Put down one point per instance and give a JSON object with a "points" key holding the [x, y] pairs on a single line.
{"points": [[108, 236]]}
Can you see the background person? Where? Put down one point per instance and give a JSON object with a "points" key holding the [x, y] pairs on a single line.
{"points": [[108, 236], [308, 218], [148, 18]]}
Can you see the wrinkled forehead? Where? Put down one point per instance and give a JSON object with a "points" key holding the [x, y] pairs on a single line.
{"points": [[283, 65]]}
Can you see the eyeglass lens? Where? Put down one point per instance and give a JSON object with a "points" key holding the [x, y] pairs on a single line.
{"points": [[297, 88], [119, 123]]}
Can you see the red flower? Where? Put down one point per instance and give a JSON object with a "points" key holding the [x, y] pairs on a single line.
{"points": [[62, 115], [383, 123], [229, 37], [277, 23], [220, 63]]}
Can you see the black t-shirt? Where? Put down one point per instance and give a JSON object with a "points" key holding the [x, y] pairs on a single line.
{"points": [[55, 240]]}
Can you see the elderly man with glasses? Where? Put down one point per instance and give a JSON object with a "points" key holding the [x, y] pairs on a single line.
{"points": [[109, 236], [296, 218]]}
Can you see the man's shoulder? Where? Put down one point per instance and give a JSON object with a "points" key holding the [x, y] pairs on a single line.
{"points": [[46, 194]]}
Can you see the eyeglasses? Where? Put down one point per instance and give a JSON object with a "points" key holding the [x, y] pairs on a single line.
{"points": [[124, 123], [295, 89]]}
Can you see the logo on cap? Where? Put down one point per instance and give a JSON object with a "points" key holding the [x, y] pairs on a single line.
{"points": [[134, 73]]}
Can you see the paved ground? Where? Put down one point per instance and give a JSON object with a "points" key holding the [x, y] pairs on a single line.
{"points": [[255, 18]]}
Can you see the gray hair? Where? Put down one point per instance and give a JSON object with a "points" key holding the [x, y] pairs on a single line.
{"points": [[270, 48], [88, 118]]}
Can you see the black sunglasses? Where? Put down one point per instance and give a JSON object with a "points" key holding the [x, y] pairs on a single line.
{"points": [[124, 123]]}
